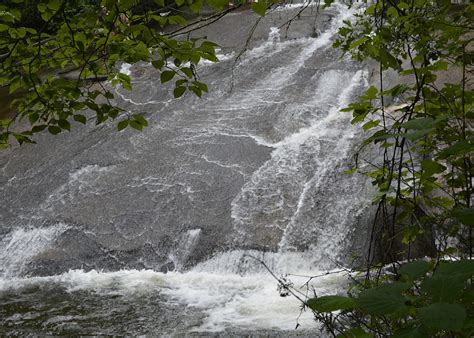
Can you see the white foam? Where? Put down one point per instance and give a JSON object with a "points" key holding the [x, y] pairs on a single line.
{"points": [[290, 6], [220, 56], [323, 127], [22, 244], [187, 244], [165, 103], [272, 46], [279, 187], [227, 300], [274, 35], [85, 180], [83, 174], [241, 262], [125, 68]]}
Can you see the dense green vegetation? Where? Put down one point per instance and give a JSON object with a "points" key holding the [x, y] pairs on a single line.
{"points": [[423, 128]]}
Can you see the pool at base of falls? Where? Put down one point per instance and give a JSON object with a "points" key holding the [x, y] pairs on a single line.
{"points": [[148, 302]]}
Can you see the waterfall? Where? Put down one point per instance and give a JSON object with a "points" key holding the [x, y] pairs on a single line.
{"points": [[22, 244], [161, 226]]}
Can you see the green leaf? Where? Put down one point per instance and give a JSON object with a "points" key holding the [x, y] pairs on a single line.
{"points": [[177, 20], [196, 6], [465, 216], [187, 71], [201, 86], [410, 332], [210, 56], [371, 93], [54, 130], [167, 75], [459, 148], [370, 124], [196, 91], [431, 167], [418, 134], [330, 303], [126, 4], [448, 281], [387, 59], [419, 123], [259, 7], [218, 4], [414, 270], [80, 45], [80, 118], [158, 64], [122, 124], [410, 233], [397, 90], [22, 138], [350, 171], [15, 85], [136, 125], [443, 316], [386, 299], [125, 80], [140, 119], [439, 65], [5, 123], [179, 91], [33, 118], [141, 51], [358, 42], [355, 333], [208, 47], [64, 124], [327, 3], [463, 268], [54, 4], [37, 129]]}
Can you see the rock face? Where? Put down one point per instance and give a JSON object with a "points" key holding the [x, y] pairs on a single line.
{"points": [[256, 167]]}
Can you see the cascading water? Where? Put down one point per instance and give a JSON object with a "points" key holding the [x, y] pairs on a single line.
{"points": [[115, 233]]}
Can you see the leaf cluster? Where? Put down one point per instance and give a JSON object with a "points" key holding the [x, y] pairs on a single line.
{"points": [[423, 300]]}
